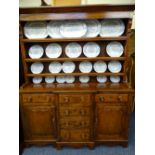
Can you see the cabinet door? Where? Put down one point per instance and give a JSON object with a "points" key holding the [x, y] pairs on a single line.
{"points": [[111, 122], [39, 122]]}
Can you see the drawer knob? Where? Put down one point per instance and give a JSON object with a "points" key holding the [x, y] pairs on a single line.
{"points": [[66, 99], [82, 112], [120, 98], [102, 99]]}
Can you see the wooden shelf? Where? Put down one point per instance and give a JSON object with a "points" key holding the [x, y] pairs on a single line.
{"points": [[75, 59], [75, 74], [74, 39]]}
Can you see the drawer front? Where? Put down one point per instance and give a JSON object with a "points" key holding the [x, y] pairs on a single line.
{"points": [[74, 122], [78, 111], [75, 135], [111, 98], [84, 99], [37, 98]]}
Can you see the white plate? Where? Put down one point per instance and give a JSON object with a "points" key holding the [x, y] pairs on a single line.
{"points": [[93, 28], [53, 29], [85, 67], [114, 66], [53, 50], [69, 79], [37, 67], [68, 67], [73, 50], [115, 79], [100, 66], [55, 67], [91, 49], [73, 29], [60, 79], [36, 52], [49, 79], [112, 28], [35, 30], [37, 80], [84, 79], [101, 79], [114, 49], [29, 3]]}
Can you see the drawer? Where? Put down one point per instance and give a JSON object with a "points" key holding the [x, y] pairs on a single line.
{"points": [[75, 135], [78, 111], [84, 99], [111, 98], [74, 122], [37, 98]]}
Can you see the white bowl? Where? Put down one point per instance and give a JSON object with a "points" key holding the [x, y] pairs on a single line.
{"points": [[37, 80], [73, 29], [85, 67], [53, 29], [112, 28], [73, 50], [68, 67], [91, 49], [93, 28], [60, 79], [49, 79], [114, 66], [37, 67], [101, 79], [115, 79], [69, 79], [114, 49], [35, 30], [53, 50], [100, 66], [36, 52], [84, 79], [55, 67]]}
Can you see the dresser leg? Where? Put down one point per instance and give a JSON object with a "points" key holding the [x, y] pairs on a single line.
{"points": [[58, 146], [91, 146], [125, 145]]}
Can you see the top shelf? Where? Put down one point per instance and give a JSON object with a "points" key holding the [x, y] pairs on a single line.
{"points": [[74, 39]]}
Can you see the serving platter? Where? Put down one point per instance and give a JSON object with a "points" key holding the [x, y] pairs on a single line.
{"points": [[68, 67], [55, 67], [114, 66], [100, 66], [85, 66], [37, 67]]}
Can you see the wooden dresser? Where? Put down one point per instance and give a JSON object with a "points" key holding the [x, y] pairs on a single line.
{"points": [[76, 114]]}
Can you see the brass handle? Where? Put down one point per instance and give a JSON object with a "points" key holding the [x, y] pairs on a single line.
{"points": [[102, 99]]}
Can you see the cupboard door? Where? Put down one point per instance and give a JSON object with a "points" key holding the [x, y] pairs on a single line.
{"points": [[111, 122], [39, 122]]}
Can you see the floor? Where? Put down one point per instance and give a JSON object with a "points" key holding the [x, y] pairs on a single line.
{"points": [[99, 150]]}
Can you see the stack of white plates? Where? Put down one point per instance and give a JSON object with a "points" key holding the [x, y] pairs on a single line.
{"points": [[68, 67], [114, 49], [73, 50], [60, 79], [35, 30], [112, 28], [69, 79], [93, 28], [91, 49], [114, 66], [55, 67], [53, 50], [36, 52], [85, 67], [84, 79], [37, 67], [101, 79], [73, 29], [115, 79], [100, 66], [49, 79], [53, 29], [37, 80]]}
